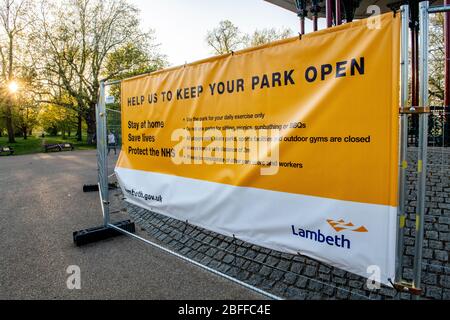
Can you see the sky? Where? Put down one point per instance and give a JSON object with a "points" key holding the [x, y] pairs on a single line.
{"points": [[181, 25]]}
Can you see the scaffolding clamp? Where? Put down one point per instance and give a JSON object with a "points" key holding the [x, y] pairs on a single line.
{"points": [[407, 287], [414, 110]]}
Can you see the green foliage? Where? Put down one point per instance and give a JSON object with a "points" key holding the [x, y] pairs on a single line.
{"points": [[25, 117], [132, 59], [2, 119], [54, 118]]}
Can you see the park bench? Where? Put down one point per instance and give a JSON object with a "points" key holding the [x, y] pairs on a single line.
{"points": [[6, 150], [59, 147]]}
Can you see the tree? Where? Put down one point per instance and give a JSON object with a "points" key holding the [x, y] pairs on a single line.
{"points": [[54, 119], [26, 117], [437, 76], [263, 36], [225, 38], [77, 38], [2, 121], [437, 58], [14, 19], [132, 59]]}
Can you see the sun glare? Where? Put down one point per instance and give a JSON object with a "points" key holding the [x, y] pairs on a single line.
{"points": [[13, 87]]}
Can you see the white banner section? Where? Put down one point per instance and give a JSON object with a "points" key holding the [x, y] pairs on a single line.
{"points": [[292, 223]]}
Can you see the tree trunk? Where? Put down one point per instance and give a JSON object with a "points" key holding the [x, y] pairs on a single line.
{"points": [[91, 125], [9, 122], [25, 133], [80, 126], [9, 103]]}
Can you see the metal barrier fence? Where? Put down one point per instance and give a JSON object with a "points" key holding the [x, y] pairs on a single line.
{"points": [[109, 122], [430, 131], [437, 128], [424, 209]]}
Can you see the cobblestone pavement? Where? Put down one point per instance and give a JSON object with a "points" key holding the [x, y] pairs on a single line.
{"points": [[299, 277]]}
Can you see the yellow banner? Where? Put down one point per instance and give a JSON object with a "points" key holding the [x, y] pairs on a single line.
{"points": [[331, 100]]}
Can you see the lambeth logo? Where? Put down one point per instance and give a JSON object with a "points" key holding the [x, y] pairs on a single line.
{"points": [[339, 241], [342, 225]]}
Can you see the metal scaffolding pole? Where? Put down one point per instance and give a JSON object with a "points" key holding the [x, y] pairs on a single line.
{"points": [[338, 12], [414, 14], [414, 54], [301, 13], [315, 9], [403, 139], [444, 8], [329, 13], [423, 141]]}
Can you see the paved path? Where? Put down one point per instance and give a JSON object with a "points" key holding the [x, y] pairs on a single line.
{"points": [[41, 204]]}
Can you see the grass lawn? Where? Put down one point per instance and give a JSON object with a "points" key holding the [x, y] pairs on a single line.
{"points": [[36, 144]]}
